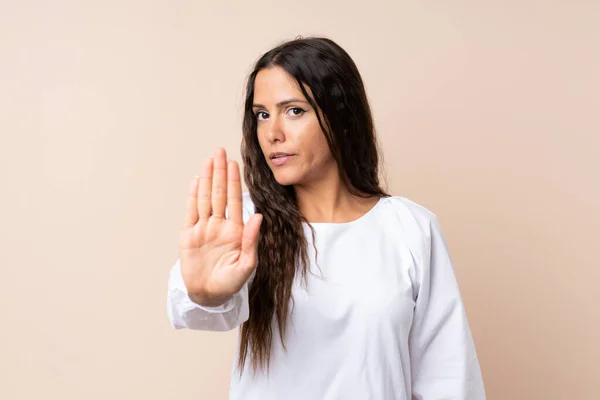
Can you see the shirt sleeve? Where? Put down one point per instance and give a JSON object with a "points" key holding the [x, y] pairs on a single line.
{"points": [[444, 362], [184, 313]]}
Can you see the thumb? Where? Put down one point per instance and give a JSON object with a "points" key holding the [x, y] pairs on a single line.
{"points": [[250, 239]]}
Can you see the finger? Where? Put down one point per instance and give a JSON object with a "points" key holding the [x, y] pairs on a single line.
{"points": [[205, 190], [191, 210], [219, 184], [234, 193], [250, 239]]}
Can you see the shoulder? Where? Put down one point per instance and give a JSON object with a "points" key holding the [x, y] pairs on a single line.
{"points": [[417, 227], [414, 224], [409, 214]]}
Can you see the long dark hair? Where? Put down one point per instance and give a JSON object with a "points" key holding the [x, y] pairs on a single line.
{"points": [[338, 91]]}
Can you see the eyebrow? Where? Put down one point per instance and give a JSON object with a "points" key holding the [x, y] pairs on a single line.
{"points": [[282, 103]]}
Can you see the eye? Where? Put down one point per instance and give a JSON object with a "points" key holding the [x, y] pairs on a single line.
{"points": [[297, 111], [258, 115]]}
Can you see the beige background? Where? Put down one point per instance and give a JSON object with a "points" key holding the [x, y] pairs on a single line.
{"points": [[488, 113]]}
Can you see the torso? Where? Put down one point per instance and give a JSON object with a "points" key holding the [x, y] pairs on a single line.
{"points": [[348, 331]]}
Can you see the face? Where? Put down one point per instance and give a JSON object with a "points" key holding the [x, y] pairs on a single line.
{"points": [[288, 130]]}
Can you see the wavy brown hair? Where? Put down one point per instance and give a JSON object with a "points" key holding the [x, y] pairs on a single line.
{"points": [[338, 91]]}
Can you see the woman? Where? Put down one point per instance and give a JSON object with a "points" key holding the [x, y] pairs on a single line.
{"points": [[340, 290]]}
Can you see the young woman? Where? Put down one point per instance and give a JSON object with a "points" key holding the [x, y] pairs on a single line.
{"points": [[340, 290]]}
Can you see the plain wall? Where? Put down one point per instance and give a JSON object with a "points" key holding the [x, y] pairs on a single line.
{"points": [[488, 114]]}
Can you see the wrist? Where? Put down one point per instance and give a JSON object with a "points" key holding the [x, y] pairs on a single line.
{"points": [[209, 302]]}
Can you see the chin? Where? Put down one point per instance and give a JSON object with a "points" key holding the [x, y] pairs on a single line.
{"points": [[286, 179]]}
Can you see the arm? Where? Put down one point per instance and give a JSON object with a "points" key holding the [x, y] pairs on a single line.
{"points": [[444, 362], [184, 313]]}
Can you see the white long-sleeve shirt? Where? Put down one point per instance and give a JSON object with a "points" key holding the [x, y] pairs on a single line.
{"points": [[381, 317]]}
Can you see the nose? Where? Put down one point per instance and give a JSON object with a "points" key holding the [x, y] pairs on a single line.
{"points": [[275, 130]]}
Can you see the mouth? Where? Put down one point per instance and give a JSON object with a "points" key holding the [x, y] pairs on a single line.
{"points": [[279, 159]]}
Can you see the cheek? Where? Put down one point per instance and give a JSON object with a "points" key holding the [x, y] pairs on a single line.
{"points": [[313, 141], [261, 141], [322, 154]]}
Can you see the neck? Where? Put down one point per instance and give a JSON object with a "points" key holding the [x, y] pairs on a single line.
{"points": [[330, 201]]}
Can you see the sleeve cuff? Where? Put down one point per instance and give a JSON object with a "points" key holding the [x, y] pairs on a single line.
{"points": [[223, 308]]}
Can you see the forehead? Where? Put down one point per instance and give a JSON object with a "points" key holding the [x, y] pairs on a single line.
{"points": [[275, 84]]}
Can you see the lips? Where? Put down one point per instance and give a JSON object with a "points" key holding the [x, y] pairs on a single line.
{"points": [[278, 154], [279, 158]]}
